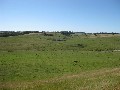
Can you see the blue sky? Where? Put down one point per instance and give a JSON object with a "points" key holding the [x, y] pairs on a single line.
{"points": [[60, 15]]}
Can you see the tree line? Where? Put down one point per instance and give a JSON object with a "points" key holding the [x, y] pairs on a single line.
{"points": [[13, 33]]}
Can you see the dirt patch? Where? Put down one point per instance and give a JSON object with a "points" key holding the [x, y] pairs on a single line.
{"points": [[116, 50]]}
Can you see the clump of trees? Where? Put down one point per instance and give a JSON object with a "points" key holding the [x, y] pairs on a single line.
{"points": [[9, 33]]}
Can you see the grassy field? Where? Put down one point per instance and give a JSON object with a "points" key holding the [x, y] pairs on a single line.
{"points": [[76, 62]]}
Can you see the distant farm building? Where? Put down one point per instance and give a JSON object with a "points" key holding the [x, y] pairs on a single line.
{"points": [[67, 33]]}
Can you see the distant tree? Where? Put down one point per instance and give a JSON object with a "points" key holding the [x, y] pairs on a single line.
{"points": [[95, 34], [85, 34], [113, 33]]}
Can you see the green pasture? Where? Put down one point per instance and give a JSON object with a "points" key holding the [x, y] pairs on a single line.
{"points": [[39, 62]]}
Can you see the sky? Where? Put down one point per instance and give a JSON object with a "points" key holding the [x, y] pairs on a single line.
{"points": [[60, 15]]}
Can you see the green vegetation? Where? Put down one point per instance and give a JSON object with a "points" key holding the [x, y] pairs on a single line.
{"points": [[59, 62]]}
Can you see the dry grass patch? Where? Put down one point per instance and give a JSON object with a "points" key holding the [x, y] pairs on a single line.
{"points": [[89, 76]]}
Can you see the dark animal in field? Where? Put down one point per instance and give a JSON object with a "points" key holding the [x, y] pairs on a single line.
{"points": [[75, 61]]}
